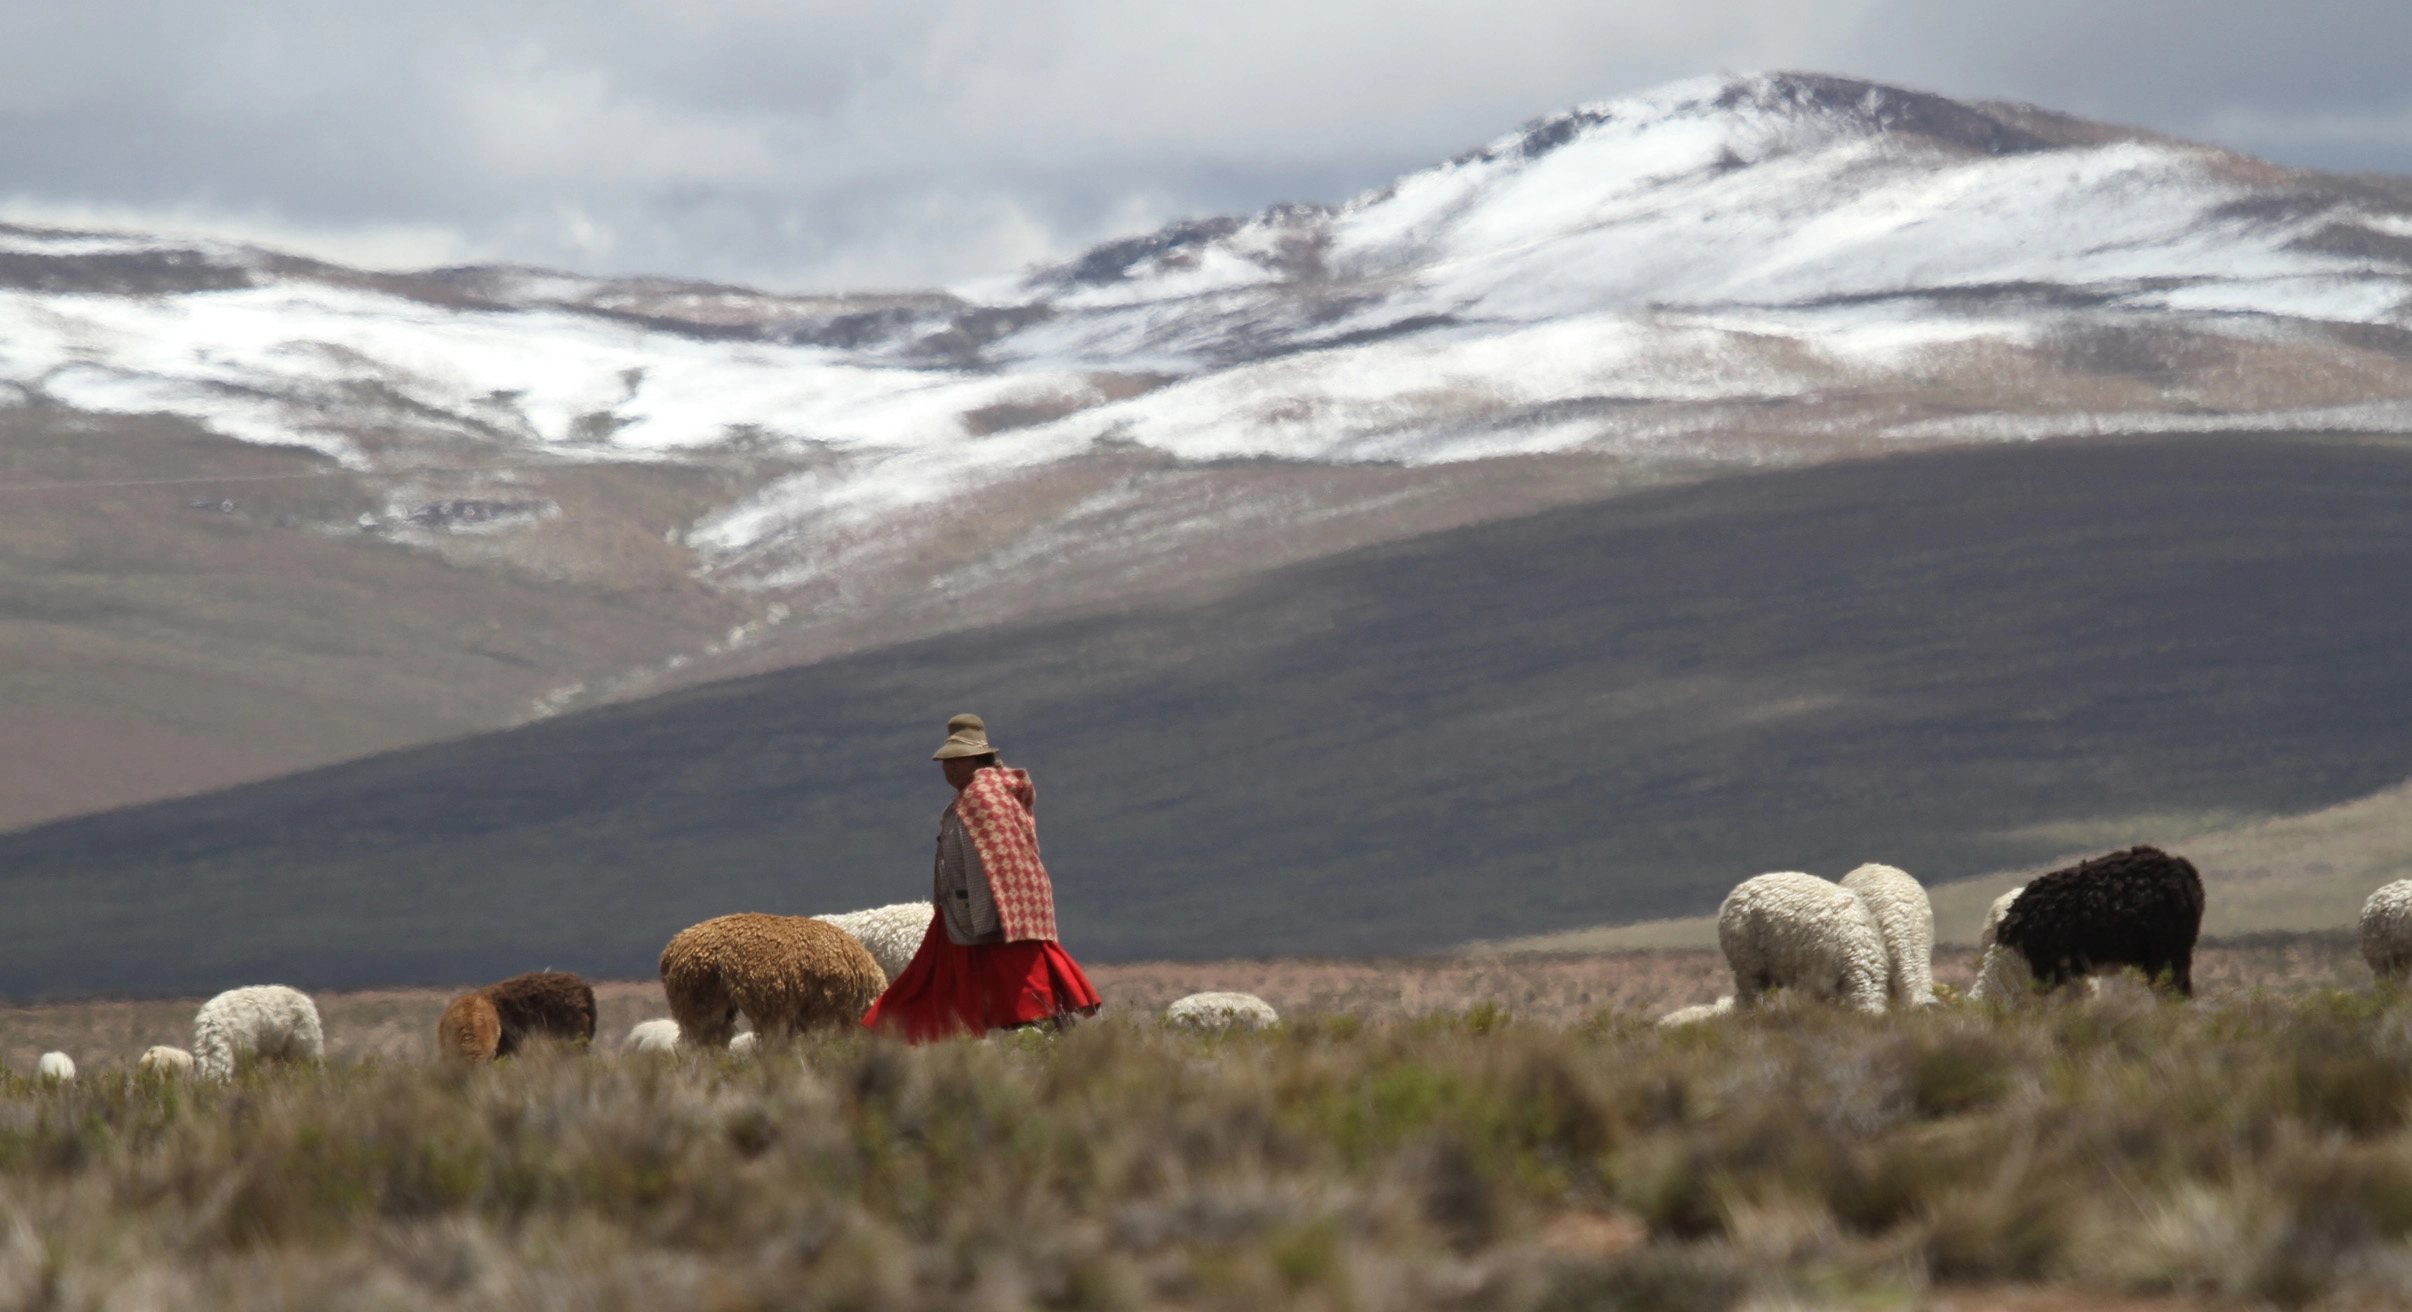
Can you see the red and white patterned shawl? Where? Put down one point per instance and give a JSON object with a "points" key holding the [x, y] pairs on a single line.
{"points": [[999, 810]]}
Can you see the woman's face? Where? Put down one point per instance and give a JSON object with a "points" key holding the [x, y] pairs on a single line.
{"points": [[960, 769]]}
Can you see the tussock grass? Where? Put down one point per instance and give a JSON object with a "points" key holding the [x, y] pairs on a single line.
{"points": [[2253, 1151]]}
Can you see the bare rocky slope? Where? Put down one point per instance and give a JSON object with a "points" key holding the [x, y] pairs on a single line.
{"points": [[1953, 661], [537, 491]]}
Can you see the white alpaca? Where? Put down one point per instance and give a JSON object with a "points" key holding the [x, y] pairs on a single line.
{"points": [[266, 1021], [1805, 934], [658, 1035], [892, 933], [1907, 921], [166, 1061], [745, 1045], [1693, 1015], [2387, 930], [2001, 973], [56, 1067], [1221, 1011]]}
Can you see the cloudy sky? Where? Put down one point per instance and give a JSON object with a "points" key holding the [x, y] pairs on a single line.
{"points": [[803, 145]]}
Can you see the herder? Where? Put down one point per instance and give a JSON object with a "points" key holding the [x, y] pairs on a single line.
{"points": [[990, 960]]}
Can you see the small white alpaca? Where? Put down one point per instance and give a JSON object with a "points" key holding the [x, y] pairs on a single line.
{"points": [[166, 1061], [657, 1035], [745, 1045], [266, 1021], [1222, 1011], [56, 1067]]}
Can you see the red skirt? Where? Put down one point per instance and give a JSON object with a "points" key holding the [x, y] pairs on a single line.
{"points": [[950, 989]]}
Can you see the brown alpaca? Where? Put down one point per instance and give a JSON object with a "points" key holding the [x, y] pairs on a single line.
{"points": [[788, 974], [496, 1019]]}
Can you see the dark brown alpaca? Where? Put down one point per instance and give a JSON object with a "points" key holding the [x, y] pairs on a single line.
{"points": [[496, 1019]]}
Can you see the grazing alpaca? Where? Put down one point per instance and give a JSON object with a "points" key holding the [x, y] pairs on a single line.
{"points": [[2001, 973], [495, 1020], [164, 1060], [1907, 921], [787, 974], [657, 1035], [2140, 907], [1802, 933], [267, 1021], [1222, 1011]]}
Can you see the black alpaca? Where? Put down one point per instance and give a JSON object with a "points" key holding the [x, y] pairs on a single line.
{"points": [[2141, 907]]}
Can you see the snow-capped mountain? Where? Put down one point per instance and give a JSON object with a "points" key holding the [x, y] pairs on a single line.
{"points": [[1775, 268]]}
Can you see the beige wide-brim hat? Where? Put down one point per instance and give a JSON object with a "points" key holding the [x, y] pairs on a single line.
{"points": [[966, 735]]}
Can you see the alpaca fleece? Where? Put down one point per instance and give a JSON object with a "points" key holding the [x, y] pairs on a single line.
{"points": [[56, 1066], [1800, 932], [2387, 930], [1907, 921], [495, 1020], [2001, 973], [893, 933], [1222, 1011], [268, 1021], [787, 974], [657, 1035], [166, 1060], [2140, 907]]}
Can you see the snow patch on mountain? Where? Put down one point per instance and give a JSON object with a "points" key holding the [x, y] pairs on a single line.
{"points": [[1706, 271]]}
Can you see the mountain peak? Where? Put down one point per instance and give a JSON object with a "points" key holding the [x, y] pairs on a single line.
{"points": [[1763, 101], [1877, 107]]}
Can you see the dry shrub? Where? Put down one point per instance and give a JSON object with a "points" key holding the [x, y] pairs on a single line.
{"points": [[2252, 1151]]}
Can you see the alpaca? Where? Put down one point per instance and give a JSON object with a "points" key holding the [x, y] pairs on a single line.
{"points": [[267, 1021], [495, 1020], [1222, 1011], [657, 1035], [2387, 930], [166, 1061], [2139, 907], [787, 974], [2001, 973], [1907, 921], [1803, 933], [893, 933]]}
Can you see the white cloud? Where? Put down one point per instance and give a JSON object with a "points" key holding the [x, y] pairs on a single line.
{"points": [[809, 142]]}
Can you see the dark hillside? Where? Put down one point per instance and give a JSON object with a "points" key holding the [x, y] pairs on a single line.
{"points": [[1602, 713]]}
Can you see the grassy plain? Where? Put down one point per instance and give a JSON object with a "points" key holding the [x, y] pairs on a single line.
{"points": [[2249, 1149]]}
